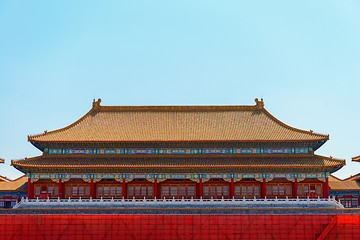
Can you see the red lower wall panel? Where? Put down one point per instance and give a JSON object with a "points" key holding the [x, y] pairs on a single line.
{"points": [[179, 227]]}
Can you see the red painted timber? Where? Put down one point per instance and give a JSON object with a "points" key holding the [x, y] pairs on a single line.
{"points": [[157, 226]]}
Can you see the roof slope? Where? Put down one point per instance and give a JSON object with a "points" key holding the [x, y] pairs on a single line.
{"points": [[343, 185], [4, 179], [177, 124], [159, 163], [356, 159], [13, 185]]}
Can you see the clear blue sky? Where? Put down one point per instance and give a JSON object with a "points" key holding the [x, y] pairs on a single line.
{"points": [[302, 57]]}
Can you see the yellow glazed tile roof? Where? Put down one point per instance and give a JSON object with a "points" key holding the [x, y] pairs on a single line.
{"points": [[346, 184], [13, 185], [177, 124]]}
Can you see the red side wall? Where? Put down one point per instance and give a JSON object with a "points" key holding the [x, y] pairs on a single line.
{"points": [[179, 227]]}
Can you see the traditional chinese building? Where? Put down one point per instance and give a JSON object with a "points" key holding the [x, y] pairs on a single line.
{"points": [[12, 190], [347, 190], [178, 151]]}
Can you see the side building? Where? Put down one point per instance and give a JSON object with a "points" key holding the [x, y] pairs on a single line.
{"points": [[178, 151], [347, 190]]}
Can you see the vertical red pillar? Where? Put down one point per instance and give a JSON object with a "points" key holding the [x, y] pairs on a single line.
{"points": [[326, 188], [263, 188], [30, 189], [201, 189], [61, 189], [155, 188], [232, 188], [92, 189], [294, 188], [123, 188]]}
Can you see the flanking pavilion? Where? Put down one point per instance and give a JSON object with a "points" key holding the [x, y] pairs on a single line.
{"points": [[178, 151], [346, 190]]}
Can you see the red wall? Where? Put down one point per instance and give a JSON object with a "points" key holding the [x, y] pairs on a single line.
{"points": [[179, 227]]}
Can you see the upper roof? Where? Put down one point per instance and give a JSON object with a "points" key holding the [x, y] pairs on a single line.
{"points": [[343, 185], [177, 124], [2, 160], [356, 159]]}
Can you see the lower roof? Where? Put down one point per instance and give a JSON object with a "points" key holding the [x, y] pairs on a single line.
{"points": [[168, 164]]}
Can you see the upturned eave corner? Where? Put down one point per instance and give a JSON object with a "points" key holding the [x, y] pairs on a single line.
{"points": [[356, 159]]}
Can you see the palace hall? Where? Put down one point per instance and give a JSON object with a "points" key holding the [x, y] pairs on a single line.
{"points": [[178, 152]]}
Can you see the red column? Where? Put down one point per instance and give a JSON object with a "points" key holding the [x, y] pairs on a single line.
{"points": [[123, 188], [326, 188], [92, 189], [294, 188], [232, 188], [201, 189], [155, 188], [263, 188], [61, 189], [30, 189]]}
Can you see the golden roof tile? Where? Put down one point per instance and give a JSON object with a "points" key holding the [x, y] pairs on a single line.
{"points": [[177, 124], [343, 185], [14, 184]]}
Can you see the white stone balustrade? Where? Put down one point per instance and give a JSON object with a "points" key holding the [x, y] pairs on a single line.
{"points": [[122, 202]]}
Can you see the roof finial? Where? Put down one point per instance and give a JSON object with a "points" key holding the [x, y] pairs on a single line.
{"points": [[96, 104], [260, 103]]}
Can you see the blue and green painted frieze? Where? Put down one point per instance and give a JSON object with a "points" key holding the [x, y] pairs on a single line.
{"points": [[175, 151]]}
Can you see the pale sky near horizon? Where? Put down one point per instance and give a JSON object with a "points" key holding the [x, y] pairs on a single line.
{"points": [[302, 57]]}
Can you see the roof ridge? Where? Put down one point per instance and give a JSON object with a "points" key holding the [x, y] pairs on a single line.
{"points": [[96, 107]]}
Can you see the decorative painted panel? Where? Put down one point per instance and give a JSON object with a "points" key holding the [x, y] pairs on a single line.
{"points": [[238, 176], [175, 151]]}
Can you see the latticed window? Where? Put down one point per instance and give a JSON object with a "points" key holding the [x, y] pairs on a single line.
{"points": [[140, 191], [310, 189], [165, 190], [318, 190], [81, 190], [37, 190], [214, 190], [178, 191], [112, 191], [99, 191], [191, 191], [256, 191], [75, 190], [106, 191]]}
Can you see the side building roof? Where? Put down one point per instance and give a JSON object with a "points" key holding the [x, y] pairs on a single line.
{"points": [[178, 124], [348, 184], [14, 185]]}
